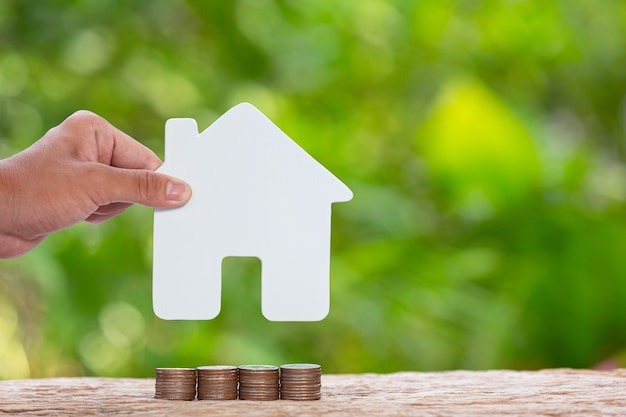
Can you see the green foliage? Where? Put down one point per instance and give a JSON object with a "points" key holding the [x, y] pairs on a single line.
{"points": [[484, 142]]}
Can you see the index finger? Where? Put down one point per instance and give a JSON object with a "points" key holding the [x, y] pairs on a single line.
{"points": [[129, 153]]}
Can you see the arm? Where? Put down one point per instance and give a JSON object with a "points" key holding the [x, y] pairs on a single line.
{"points": [[82, 170]]}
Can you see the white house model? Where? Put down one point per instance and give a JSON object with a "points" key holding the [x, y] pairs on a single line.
{"points": [[255, 193]]}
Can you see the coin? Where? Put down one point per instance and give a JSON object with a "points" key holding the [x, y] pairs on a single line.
{"points": [[218, 382], [301, 381], [258, 382], [175, 383]]}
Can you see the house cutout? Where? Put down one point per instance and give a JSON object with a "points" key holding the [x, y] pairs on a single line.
{"points": [[255, 193]]}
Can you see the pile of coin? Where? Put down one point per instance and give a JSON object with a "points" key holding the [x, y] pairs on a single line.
{"points": [[217, 382], [258, 382], [301, 381], [175, 383], [298, 381]]}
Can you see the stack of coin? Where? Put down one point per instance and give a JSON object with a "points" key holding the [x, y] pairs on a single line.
{"points": [[258, 382], [217, 382], [175, 383], [301, 381]]}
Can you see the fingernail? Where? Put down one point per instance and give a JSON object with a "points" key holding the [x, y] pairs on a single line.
{"points": [[176, 191]]}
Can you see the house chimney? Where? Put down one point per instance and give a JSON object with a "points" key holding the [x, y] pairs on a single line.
{"points": [[180, 129]]}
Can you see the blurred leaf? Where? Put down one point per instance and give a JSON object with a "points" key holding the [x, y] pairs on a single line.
{"points": [[479, 154]]}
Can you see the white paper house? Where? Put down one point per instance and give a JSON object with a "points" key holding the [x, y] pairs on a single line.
{"points": [[255, 193]]}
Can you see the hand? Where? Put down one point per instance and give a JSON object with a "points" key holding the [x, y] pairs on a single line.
{"points": [[83, 169]]}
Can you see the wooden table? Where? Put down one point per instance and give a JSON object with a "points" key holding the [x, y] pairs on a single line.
{"points": [[552, 392]]}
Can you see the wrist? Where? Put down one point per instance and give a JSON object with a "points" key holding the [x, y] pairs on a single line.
{"points": [[7, 197], [5, 202], [11, 245], [4, 191]]}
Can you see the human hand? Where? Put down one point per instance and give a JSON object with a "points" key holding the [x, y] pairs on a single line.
{"points": [[83, 169]]}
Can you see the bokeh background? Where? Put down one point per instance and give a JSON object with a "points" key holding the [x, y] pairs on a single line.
{"points": [[484, 142]]}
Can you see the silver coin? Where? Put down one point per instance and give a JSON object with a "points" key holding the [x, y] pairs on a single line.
{"points": [[297, 366], [258, 368], [217, 368]]}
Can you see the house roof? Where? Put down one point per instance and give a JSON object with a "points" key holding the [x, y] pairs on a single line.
{"points": [[245, 150]]}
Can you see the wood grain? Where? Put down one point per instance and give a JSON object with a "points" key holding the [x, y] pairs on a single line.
{"points": [[554, 392]]}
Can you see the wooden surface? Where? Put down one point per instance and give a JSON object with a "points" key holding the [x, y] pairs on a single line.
{"points": [[460, 393]]}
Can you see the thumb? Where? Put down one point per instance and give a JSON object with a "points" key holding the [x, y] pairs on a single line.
{"points": [[147, 188]]}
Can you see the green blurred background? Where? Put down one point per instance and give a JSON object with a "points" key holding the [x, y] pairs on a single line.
{"points": [[484, 142]]}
